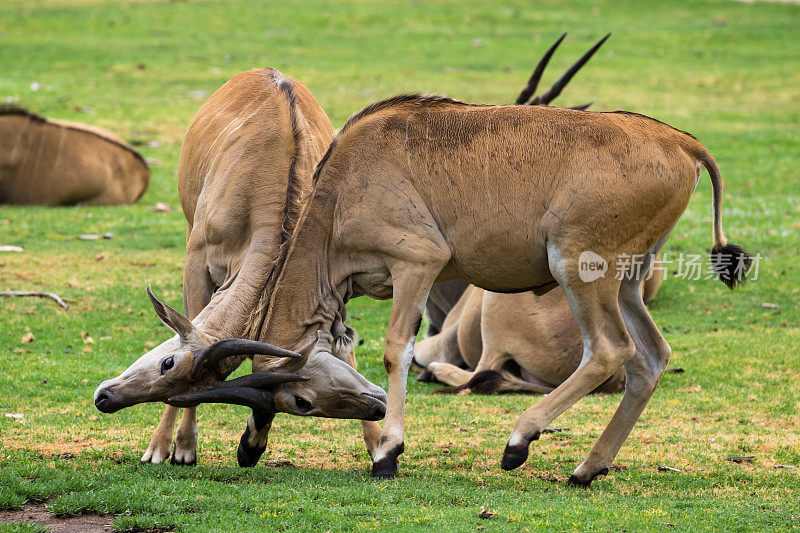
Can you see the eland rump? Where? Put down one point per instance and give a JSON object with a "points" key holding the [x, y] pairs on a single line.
{"points": [[417, 189], [246, 160]]}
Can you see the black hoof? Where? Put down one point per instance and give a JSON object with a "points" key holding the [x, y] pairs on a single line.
{"points": [[515, 456], [181, 463], [575, 481], [386, 468], [426, 377], [246, 455]]}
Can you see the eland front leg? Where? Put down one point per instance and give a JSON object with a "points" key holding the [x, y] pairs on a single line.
{"points": [[184, 451], [253, 443], [411, 284], [158, 449]]}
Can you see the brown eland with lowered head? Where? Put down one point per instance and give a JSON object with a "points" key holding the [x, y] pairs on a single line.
{"points": [[418, 189], [246, 160], [56, 162], [494, 342]]}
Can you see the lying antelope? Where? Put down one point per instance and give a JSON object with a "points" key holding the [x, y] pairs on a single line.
{"points": [[443, 296], [511, 343], [419, 189], [55, 162], [246, 161]]}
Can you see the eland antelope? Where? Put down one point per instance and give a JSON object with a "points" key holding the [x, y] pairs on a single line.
{"points": [[416, 189], [56, 162], [246, 161], [231, 180]]}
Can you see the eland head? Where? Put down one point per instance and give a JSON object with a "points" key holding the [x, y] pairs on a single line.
{"points": [[191, 367]]}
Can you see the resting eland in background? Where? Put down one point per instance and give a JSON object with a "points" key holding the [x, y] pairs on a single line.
{"points": [[493, 342], [56, 162]]}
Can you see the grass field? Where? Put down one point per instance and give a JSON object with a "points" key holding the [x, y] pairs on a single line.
{"points": [[728, 72]]}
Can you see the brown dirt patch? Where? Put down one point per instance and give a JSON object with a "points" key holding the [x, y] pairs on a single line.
{"points": [[39, 514], [65, 449]]}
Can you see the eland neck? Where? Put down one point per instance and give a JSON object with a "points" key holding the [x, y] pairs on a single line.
{"points": [[302, 297]]}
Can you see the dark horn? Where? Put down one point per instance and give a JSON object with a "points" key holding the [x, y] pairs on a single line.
{"points": [[261, 380], [223, 348], [582, 107], [533, 82], [256, 399], [562, 82]]}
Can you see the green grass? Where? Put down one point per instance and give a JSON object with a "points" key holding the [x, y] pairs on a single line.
{"points": [[726, 71]]}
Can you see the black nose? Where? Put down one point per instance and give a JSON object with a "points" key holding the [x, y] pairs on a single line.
{"points": [[379, 412], [102, 402], [378, 408]]}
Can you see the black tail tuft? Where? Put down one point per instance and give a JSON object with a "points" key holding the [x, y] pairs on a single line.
{"points": [[484, 382], [730, 263]]}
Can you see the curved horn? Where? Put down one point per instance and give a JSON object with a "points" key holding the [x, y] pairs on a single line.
{"points": [[582, 107], [533, 82], [256, 399], [262, 380], [562, 82], [216, 352]]}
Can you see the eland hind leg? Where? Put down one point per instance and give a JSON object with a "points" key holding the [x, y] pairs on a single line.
{"points": [[606, 347], [643, 374]]}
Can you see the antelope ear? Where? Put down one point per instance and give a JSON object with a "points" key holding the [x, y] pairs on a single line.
{"points": [[172, 317]]}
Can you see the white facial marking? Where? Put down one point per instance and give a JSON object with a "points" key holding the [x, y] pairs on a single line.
{"points": [[257, 439], [516, 439]]}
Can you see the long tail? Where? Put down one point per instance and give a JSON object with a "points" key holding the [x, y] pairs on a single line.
{"points": [[729, 261]]}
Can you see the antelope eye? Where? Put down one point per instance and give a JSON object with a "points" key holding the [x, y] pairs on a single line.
{"points": [[303, 404], [168, 363]]}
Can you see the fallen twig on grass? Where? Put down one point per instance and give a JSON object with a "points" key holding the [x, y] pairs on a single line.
{"points": [[741, 459], [52, 296]]}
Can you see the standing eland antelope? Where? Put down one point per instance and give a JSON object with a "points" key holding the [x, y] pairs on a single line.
{"points": [[420, 189], [511, 343], [246, 161], [56, 162]]}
